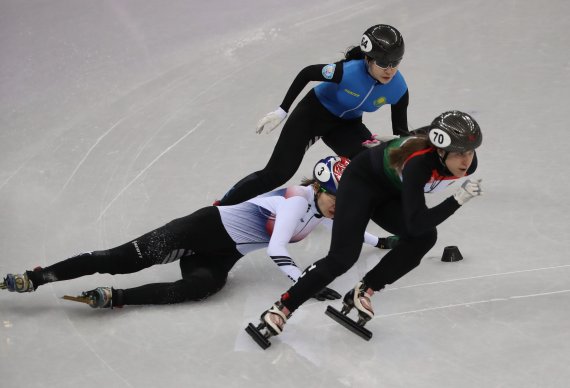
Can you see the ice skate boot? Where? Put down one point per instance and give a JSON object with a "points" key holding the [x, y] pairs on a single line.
{"points": [[17, 283], [389, 242], [356, 298], [272, 323], [101, 297]]}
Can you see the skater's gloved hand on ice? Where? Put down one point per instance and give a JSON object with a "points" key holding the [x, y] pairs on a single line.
{"points": [[327, 293], [468, 190], [377, 140], [271, 121], [389, 242]]}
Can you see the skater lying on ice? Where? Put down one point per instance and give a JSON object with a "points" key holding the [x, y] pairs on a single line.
{"points": [[207, 243], [387, 184]]}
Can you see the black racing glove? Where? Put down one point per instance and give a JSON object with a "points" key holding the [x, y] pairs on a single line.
{"points": [[389, 242], [327, 293]]}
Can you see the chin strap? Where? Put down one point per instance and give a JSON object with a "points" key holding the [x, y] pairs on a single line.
{"points": [[442, 159], [316, 200]]}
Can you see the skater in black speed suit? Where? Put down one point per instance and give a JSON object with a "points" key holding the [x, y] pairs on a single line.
{"points": [[387, 184], [364, 81]]}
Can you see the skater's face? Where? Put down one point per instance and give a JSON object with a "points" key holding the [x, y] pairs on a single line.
{"points": [[381, 74], [458, 162], [326, 203]]}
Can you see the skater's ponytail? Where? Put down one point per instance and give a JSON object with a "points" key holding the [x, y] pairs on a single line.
{"points": [[352, 53], [398, 156]]}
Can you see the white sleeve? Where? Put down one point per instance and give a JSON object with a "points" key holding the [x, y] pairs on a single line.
{"points": [[287, 217], [369, 239]]}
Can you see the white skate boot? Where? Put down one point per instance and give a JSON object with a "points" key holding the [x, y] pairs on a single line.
{"points": [[272, 323]]}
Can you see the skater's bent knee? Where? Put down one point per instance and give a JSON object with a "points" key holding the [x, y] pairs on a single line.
{"points": [[202, 283]]}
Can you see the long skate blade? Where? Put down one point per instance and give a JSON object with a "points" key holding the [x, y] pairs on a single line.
{"points": [[348, 323], [80, 299], [257, 336]]}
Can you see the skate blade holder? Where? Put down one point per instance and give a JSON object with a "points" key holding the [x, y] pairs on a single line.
{"points": [[348, 323], [80, 299], [260, 338]]}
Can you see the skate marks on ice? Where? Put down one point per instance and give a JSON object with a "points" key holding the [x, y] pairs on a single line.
{"points": [[509, 297], [147, 167], [480, 277], [472, 303]]}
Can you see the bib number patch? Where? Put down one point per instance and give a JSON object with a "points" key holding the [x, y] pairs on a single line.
{"points": [[365, 44], [439, 138], [322, 172]]}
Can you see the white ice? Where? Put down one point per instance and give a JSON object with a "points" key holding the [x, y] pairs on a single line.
{"points": [[118, 116]]}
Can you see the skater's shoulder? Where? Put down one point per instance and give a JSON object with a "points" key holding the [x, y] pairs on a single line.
{"points": [[306, 192]]}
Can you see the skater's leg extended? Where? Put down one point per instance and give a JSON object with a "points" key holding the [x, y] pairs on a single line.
{"points": [[160, 246], [204, 267], [282, 165], [145, 251], [301, 130], [351, 219]]}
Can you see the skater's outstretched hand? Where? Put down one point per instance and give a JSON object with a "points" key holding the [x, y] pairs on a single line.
{"points": [[327, 293], [271, 121]]}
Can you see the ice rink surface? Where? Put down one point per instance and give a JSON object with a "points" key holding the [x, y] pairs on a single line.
{"points": [[118, 116]]}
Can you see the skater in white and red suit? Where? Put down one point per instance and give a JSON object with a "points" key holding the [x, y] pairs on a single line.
{"points": [[208, 243]]}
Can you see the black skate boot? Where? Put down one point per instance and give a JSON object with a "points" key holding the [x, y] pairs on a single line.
{"points": [[272, 323], [18, 283], [359, 298], [101, 297]]}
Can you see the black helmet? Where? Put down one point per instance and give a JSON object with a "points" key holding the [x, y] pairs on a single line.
{"points": [[455, 131], [384, 44]]}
